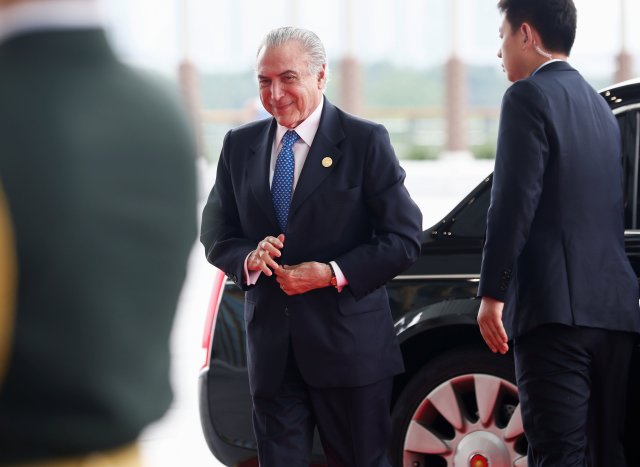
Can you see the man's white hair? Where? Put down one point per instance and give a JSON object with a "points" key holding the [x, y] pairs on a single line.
{"points": [[311, 44]]}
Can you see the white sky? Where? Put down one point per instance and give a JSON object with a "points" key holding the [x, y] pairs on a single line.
{"points": [[223, 34]]}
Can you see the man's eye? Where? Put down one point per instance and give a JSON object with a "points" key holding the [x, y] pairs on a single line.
{"points": [[289, 78], [263, 83]]}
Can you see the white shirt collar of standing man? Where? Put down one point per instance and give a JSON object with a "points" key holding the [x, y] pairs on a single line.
{"points": [[547, 63], [306, 130], [45, 15]]}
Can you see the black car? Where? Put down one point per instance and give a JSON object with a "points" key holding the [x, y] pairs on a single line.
{"points": [[456, 403]]}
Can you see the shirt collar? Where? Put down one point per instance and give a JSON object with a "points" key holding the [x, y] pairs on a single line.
{"points": [[46, 15], [307, 129], [545, 64]]}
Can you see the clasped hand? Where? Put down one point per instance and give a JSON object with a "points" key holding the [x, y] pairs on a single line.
{"points": [[293, 280], [262, 258]]}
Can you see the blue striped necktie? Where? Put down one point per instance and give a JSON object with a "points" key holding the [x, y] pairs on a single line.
{"points": [[282, 183]]}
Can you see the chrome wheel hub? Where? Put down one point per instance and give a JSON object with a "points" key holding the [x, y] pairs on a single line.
{"points": [[468, 421], [480, 449]]}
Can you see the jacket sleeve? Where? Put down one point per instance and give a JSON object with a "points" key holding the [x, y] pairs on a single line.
{"points": [[521, 159], [396, 220], [221, 232]]}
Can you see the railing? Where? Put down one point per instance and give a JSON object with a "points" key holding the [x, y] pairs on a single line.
{"points": [[416, 132]]}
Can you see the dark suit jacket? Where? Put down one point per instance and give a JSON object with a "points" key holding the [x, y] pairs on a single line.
{"points": [[555, 231], [97, 164], [356, 212]]}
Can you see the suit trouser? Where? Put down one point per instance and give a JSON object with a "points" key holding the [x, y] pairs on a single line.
{"points": [[353, 423], [573, 383], [128, 456]]}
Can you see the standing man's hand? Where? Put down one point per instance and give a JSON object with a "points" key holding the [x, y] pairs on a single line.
{"points": [[303, 277], [261, 259], [491, 327]]}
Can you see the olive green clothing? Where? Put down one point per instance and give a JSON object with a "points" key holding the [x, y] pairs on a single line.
{"points": [[127, 456], [8, 273], [97, 165]]}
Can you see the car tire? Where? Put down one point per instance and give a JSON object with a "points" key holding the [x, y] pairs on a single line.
{"points": [[460, 408]]}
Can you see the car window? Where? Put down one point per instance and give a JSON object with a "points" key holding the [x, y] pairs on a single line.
{"points": [[629, 122], [472, 220]]}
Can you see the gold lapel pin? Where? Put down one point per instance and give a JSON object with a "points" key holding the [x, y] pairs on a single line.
{"points": [[327, 162]]}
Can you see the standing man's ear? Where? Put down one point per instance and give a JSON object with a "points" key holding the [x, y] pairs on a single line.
{"points": [[526, 32], [321, 76]]}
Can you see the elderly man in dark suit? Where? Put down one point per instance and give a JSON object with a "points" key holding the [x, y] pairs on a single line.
{"points": [[98, 204], [310, 216], [554, 250]]}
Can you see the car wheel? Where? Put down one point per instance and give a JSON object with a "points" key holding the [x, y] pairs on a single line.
{"points": [[460, 409]]}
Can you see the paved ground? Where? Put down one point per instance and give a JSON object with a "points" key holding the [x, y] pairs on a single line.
{"points": [[177, 440]]}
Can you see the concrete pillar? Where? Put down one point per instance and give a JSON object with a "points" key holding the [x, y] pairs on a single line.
{"points": [[350, 85], [350, 72], [624, 67], [455, 105], [188, 81], [624, 60]]}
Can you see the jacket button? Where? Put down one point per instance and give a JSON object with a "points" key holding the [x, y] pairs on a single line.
{"points": [[286, 311]]}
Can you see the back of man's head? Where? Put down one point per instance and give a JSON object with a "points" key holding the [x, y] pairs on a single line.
{"points": [[554, 20]]}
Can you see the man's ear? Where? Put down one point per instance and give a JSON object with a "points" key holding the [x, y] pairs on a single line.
{"points": [[527, 33], [322, 74]]}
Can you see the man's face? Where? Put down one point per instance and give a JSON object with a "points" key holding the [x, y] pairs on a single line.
{"points": [[287, 90], [512, 52]]}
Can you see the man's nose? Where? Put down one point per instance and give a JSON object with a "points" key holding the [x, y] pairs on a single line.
{"points": [[276, 90]]}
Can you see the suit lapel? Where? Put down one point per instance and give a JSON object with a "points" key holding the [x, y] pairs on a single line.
{"points": [[329, 134], [258, 171]]}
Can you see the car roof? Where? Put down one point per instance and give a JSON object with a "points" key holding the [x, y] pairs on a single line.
{"points": [[622, 96]]}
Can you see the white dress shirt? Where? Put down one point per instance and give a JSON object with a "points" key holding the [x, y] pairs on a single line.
{"points": [[546, 63], [307, 132]]}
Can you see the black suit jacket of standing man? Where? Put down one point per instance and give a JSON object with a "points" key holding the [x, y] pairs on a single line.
{"points": [[554, 249], [555, 246], [317, 356], [356, 212]]}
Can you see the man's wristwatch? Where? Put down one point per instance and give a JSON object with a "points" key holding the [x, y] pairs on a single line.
{"points": [[333, 282]]}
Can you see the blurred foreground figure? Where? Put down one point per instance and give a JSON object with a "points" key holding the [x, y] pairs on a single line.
{"points": [[554, 253], [97, 173]]}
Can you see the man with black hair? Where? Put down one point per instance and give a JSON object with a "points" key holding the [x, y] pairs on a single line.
{"points": [[554, 255]]}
